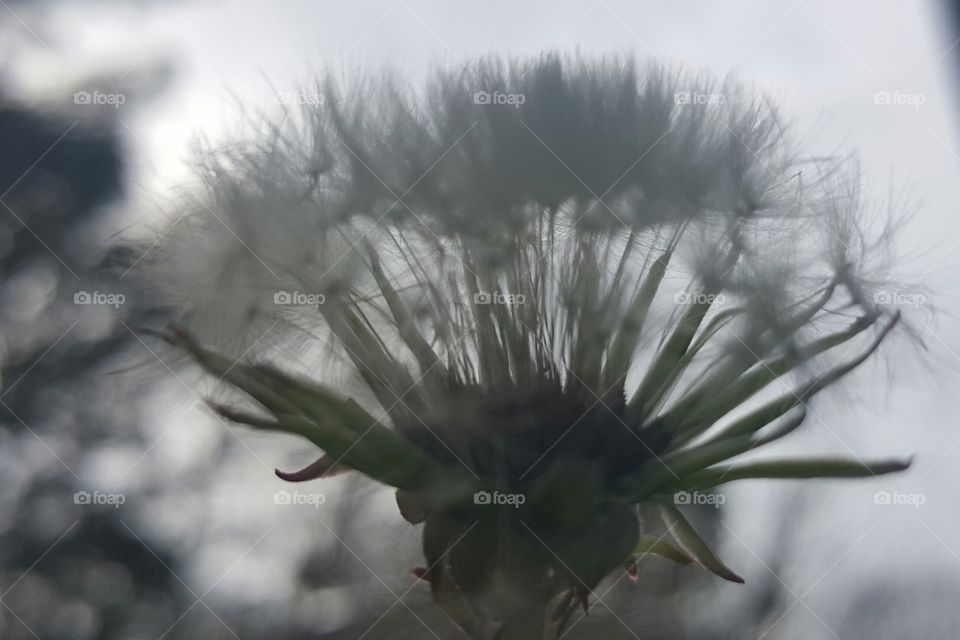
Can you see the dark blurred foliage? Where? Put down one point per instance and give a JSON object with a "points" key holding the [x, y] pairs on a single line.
{"points": [[68, 570], [54, 177]]}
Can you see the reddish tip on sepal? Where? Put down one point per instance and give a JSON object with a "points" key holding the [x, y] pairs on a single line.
{"points": [[633, 572], [420, 573], [322, 467]]}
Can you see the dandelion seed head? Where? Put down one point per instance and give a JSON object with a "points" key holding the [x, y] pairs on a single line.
{"points": [[555, 276]]}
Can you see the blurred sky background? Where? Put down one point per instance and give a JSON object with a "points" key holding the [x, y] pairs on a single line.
{"points": [[825, 64]]}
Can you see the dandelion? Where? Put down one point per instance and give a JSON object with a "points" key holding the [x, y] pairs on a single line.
{"points": [[547, 311]]}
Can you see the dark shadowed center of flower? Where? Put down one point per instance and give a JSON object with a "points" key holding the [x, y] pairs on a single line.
{"points": [[515, 436]]}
